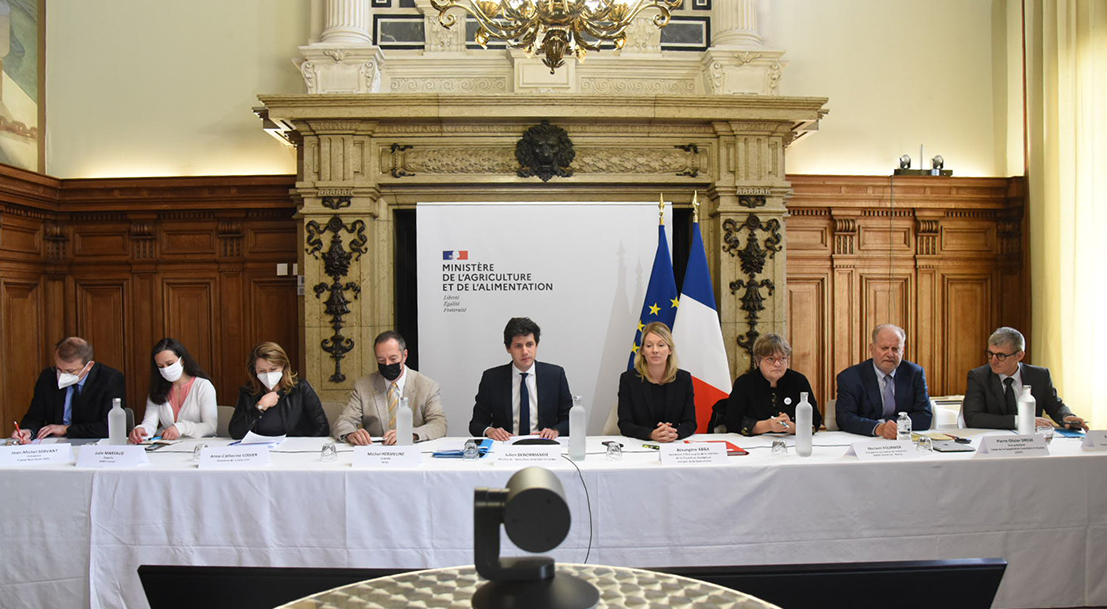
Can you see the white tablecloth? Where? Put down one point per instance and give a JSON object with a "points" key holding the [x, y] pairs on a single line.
{"points": [[78, 535]]}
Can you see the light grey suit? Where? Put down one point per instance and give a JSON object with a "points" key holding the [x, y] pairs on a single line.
{"points": [[368, 406]]}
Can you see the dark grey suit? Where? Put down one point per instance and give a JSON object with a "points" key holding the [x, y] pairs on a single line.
{"points": [[984, 406]]}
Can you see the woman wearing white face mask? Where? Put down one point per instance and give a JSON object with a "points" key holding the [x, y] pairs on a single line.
{"points": [[275, 402], [181, 400]]}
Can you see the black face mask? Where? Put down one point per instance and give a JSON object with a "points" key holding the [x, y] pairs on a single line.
{"points": [[390, 371]]}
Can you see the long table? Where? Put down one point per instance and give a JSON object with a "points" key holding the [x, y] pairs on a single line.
{"points": [[75, 537]]}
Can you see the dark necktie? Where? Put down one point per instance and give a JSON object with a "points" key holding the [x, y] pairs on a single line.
{"points": [[1009, 396], [524, 405]]}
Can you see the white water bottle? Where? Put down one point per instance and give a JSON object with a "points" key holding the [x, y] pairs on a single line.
{"points": [[803, 426], [577, 425], [1028, 407], [117, 423], [903, 427], [403, 423]]}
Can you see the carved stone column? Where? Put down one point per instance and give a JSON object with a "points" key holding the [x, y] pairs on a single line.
{"points": [[738, 61], [344, 60]]}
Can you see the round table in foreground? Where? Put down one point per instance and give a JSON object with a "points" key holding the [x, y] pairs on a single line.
{"points": [[453, 588]]}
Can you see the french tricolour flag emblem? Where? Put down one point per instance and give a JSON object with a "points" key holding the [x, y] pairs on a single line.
{"points": [[455, 255]]}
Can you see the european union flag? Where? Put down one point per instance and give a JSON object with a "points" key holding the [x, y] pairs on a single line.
{"points": [[661, 293]]}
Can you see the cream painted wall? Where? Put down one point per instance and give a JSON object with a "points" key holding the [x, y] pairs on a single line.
{"points": [[160, 88], [170, 91]]}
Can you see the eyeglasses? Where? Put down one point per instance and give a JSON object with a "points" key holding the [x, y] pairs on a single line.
{"points": [[776, 361], [988, 355]]}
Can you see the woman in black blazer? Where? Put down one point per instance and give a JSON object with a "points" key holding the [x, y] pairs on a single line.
{"points": [[275, 402], [764, 399], [655, 399]]}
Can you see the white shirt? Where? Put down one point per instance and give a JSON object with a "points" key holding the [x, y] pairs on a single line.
{"points": [[532, 390]]}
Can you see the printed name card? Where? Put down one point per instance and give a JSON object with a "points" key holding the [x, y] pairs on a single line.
{"points": [[705, 453], [38, 454], [880, 450], [1029, 445], [1095, 439], [379, 456], [112, 457], [234, 457], [534, 454]]}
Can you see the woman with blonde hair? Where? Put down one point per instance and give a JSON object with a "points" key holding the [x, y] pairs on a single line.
{"points": [[275, 402], [764, 399], [656, 401]]}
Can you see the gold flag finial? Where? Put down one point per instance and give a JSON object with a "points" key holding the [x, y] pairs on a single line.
{"points": [[661, 209], [695, 206]]}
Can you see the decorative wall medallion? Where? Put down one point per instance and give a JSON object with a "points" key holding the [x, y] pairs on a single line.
{"points": [[336, 265], [545, 151], [753, 256]]}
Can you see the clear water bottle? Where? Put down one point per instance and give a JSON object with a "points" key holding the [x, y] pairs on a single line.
{"points": [[803, 426], [117, 423], [578, 423], [1027, 409], [403, 423], [903, 427]]}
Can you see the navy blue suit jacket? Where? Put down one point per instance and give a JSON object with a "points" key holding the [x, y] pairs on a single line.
{"points": [[860, 408], [493, 401], [89, 409]]}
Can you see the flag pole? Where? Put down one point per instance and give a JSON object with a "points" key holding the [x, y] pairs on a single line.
{"points": [[661, 209], [695, 206]]}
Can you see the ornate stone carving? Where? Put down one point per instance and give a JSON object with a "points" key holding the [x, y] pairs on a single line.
{"points": [[751, 201], [307, 70], [335, 192], [639, 161], [642, 86], [753, 257], [715, 77], [336, 202], [338, 55], [643, 37], [776, 71], [545, 151], [398, 170], [371, 75], [693, 167], [336, 265], [449, 85]]}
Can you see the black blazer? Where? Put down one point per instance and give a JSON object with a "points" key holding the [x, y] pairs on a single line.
{"points": [[640, 410], [984, 406], [493, 401], [89, 409], [751, 400], [860, 408], [296, 413]]}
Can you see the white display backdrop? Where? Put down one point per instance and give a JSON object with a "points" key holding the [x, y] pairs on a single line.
{"points": [[579, 270]]}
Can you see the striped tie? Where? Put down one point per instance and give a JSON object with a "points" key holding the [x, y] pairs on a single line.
{"points": [[393, 402]]}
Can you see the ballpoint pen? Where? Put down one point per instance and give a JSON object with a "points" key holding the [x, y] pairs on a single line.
{"points": [[19, 432]]}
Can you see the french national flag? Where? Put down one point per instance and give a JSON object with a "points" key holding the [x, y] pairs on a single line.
{"points": [[455, 255], [699, 336]]}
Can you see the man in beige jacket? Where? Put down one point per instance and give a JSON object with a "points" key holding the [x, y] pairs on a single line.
{"points": [[371, 411]]}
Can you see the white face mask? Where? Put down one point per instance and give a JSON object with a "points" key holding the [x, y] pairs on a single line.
{"points": [[270, 379], [172, 372], [65, 379]]}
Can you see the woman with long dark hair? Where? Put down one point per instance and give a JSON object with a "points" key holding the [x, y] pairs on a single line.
{"points": [[182, 400]]}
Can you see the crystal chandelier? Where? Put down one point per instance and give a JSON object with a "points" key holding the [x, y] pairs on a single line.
{"points": [[572, 27]]}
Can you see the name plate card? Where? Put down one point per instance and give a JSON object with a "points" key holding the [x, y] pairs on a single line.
{"points": [[1029, 445], [38, 454], [881, 450], [234, 457], [112, 457], [525, 455], [693, 454], [1095, 439], [377, 456]]}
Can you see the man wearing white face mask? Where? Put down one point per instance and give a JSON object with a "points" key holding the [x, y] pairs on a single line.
{"points": [[72, 398]]}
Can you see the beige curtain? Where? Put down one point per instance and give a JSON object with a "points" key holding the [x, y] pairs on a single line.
{"points": [[1066, 80]]}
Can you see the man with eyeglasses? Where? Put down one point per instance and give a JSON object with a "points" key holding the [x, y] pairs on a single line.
{"points": [[72, 398], [872, 393], [991, 400]]}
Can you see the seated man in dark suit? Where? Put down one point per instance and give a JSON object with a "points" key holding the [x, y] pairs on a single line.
{"points": [[871, 393], [72, 398], [991, 399], [541, 387]]}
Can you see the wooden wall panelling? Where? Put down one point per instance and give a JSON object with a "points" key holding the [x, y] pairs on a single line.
{"points": [[101, 319], [808, 329], [21, 349], [968, 314], [189, 303]]}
